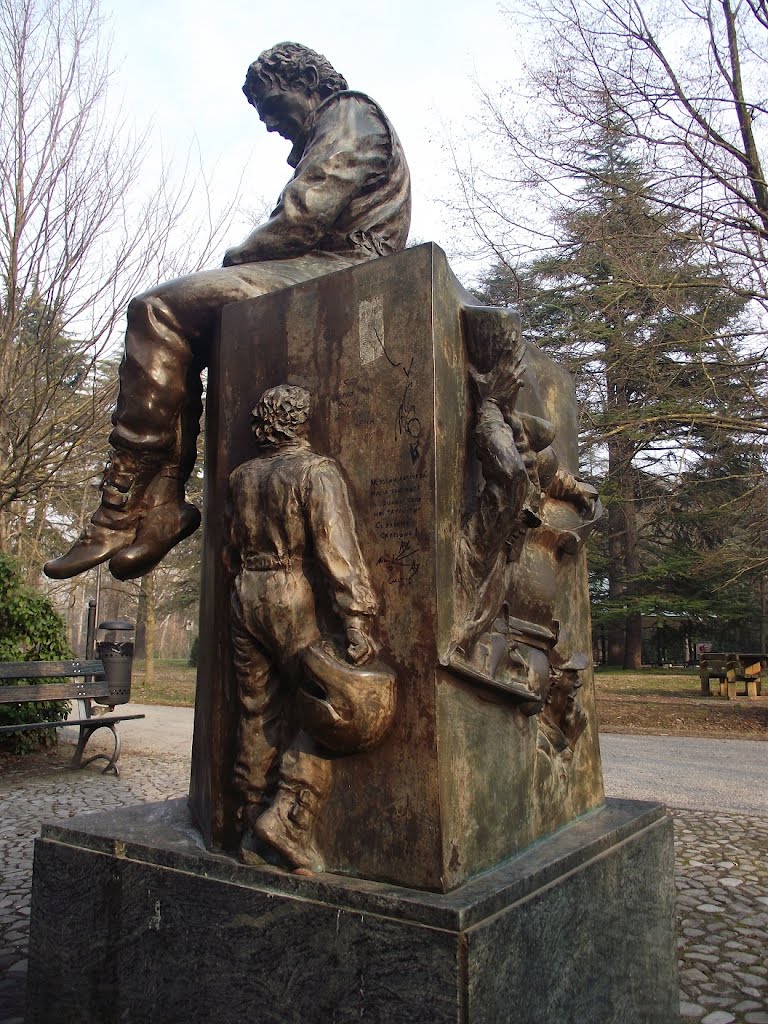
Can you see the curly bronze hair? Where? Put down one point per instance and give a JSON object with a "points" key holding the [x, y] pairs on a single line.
{"points": [[291, 65], [281, 414]]}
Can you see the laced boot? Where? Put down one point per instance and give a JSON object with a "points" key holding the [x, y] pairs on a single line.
{"points": [[112, 527], [287, 825], [250, 850], [168, 520]]}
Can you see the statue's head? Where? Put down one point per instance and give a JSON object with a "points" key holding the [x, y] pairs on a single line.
{"points": [[286, 82], [292, 66], [282, 415]]}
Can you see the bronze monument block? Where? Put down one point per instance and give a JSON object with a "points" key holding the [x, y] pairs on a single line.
{"points": [[466, 775]]}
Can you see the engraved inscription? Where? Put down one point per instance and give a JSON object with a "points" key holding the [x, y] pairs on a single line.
{"points": [[407, 422], [394, 502]]}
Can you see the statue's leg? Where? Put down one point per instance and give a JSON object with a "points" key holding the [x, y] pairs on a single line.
{"points": [[155, 425], [282, 780], [303, 786], [157, 417], [156, 421], [265, 699]]}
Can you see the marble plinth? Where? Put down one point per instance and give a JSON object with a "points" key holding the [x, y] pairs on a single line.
{"points": [[134, 921]]}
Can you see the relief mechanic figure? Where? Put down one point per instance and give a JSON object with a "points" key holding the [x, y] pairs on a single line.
{"points": [[301, 699], [349, 200]]}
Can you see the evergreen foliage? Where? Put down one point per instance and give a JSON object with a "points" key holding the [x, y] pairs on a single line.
{"points": [[627, 301], [30, 630]]}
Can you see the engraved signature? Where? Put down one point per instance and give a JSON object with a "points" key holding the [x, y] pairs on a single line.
{"points": [[407, 421], [347, 393], [403, 567]]}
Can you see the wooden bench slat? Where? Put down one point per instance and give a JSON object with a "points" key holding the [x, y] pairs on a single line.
{"points": [[96, 722], [50, 691], [50, 669]]}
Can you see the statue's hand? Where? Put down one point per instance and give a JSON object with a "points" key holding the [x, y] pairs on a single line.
{"points": [[231, 559], [361, 647], [586, 497]]}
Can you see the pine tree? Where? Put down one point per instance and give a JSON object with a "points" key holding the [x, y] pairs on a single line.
{"points": [[627, 302]]}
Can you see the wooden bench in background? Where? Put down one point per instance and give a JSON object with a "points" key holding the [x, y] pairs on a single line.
{"points": [[87, 688], [730, 670]]}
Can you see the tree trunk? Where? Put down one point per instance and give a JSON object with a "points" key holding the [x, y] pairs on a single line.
{"points": [[148, 598], [633, 645], [625, 640], [614, 633]]}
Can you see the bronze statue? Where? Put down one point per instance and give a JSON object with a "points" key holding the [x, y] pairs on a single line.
{"points": [[302, 699], [348, 201]]}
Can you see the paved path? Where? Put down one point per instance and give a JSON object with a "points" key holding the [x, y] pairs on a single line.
{"points": [[721, 850], [165, 730], [724, 775]]}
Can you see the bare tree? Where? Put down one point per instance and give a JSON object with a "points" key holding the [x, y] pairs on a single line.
{"points": [[686, 82], [681, 89], [81, 231]]}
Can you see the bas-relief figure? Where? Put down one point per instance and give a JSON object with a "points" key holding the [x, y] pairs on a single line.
{"points": [[348, 201], [301, 699], [525, 511], [304, 695]]}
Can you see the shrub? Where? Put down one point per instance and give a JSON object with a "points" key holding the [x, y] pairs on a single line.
{"points": [[30, 630]]}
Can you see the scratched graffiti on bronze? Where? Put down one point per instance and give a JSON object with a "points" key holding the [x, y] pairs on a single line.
{"points": [[394, 503]]}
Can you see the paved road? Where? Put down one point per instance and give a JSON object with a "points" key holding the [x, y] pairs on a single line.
{"points": [[713, 775], [721, 775], [165, 730]]}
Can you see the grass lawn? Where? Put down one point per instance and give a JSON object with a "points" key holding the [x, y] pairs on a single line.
{"points": [[650, 682], [655, 701], [173, 683], [669, 702]]}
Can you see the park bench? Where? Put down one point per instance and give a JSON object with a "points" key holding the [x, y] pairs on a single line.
{"points": [[88, 687], [730, 670]]}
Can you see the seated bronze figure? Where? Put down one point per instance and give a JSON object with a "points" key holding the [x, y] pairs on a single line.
{"points": [[348, 201]]}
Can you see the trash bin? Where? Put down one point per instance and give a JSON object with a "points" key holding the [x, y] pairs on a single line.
{"points": [[115, 650]]}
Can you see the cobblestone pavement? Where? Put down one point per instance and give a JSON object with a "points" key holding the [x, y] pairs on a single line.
{"points": [[721, 864], [722, 878], [43, 787]]}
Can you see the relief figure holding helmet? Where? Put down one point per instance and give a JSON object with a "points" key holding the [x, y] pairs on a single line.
{"points": [[303, 696]]}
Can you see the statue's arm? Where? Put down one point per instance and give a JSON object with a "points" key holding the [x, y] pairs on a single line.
{"points": [[334, 533], [348, 151]]}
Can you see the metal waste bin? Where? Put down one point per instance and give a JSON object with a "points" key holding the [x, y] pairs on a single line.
{"points": [[115, 650]]}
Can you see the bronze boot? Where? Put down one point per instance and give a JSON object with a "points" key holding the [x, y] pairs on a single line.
{"points": [[251, 849], [113, 525], [288, 824], [168, 519]]}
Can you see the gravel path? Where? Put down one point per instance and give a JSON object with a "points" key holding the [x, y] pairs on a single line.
{"points": [[721, 850]]}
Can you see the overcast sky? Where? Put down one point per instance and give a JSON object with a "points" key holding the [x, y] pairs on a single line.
{"points": [[181, 63]]}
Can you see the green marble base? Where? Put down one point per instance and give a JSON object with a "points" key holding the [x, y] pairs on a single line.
{"points": [[133, 921]]}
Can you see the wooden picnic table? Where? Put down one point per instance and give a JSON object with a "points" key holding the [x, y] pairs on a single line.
{"points": [[730, 670]]}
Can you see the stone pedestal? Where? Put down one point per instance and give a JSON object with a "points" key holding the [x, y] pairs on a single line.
{"points": [[474, 875], [133, 921], [464, 779]]}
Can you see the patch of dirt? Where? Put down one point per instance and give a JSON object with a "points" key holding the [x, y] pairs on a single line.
{"points": [[56, 757], [711, 717]]}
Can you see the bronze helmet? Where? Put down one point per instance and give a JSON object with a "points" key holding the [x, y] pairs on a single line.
{"points": [[344, 707]]}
